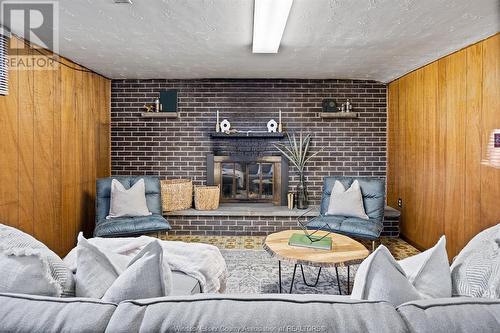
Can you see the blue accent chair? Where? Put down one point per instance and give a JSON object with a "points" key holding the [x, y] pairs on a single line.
{"points": [[129, 226], [373, 191]]}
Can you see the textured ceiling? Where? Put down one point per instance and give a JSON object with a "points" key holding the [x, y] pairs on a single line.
{"points": [[357, 39]]}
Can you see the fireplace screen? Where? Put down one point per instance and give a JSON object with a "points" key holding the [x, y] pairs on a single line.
{"points": [[256, 180]]}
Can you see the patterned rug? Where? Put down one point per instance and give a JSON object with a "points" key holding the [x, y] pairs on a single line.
{"points": [[255, 272], [252, 270]]}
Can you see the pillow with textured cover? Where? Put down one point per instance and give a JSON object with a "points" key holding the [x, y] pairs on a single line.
{"points": [[128, 202], [475, 272], [27, 266], [425, 275], [347, 202]]}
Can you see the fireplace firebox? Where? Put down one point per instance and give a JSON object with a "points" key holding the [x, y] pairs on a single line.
{"points": [[249, 178]]}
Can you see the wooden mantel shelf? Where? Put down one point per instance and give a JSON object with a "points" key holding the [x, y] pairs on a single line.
{"points": [[247, 135], [339, 115], [160, 115]]}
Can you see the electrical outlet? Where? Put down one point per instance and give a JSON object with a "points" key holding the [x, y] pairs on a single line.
{"points": [[400, 202]]}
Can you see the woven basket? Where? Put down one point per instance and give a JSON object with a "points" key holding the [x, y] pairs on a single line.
{"points": [[176, 194], [206, 197]]}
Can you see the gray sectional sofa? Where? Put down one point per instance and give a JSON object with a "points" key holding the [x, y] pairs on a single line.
{"points": [[246, 313]]}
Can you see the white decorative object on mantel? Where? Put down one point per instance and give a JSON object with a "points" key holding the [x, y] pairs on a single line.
{"points": [[280, 127], [217, 125], [272, 126], [225, 125]]}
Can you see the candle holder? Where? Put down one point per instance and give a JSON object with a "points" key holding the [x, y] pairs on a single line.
{"points": [[217, 124], [280, 127]]}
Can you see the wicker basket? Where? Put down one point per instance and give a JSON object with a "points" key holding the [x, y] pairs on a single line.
{"points": [[176, 194], [206, 197]]}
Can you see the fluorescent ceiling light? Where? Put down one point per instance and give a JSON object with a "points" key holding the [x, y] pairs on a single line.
{"points": [[269, 21]]}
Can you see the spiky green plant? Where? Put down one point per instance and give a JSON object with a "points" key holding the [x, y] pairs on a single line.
{"points": [[296, 151]]}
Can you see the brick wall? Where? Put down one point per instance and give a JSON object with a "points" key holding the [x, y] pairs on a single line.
{"points": [[176, 148], [248, 225]]}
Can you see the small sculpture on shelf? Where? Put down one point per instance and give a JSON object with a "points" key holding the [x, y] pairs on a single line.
{"points": [[217, 124], [272, 126], [348, 106], [225, 126], [149, 108]]}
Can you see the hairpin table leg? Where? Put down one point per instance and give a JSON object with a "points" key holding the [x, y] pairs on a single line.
{"points": [[304, 277], [293, 277], [348, 285], [338, 280], [279, 275]]}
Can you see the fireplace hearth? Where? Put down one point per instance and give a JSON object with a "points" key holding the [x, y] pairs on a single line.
{"points": [[249, 178]]}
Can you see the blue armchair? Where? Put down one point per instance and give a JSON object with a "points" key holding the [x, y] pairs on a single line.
{"points": [[128, 226], [373, 191]]}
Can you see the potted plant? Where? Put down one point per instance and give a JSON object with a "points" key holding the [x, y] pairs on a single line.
{"points": [[296, 152]]}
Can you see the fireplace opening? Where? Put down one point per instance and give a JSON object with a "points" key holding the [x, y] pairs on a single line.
{"points": [[249, 179]]}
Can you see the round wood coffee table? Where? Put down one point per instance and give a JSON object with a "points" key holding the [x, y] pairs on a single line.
{"points": [[345, 251]]}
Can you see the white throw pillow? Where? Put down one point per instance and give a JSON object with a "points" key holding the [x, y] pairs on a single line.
{"points": [[347, 202], [96, 269], [475, 272], [101, 273], [27, 266], [131, 202], [426, 275], [146, 276]]}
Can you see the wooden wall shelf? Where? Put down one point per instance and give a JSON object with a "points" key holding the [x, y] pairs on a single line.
{"points": [[339, 115], [160, 115]]}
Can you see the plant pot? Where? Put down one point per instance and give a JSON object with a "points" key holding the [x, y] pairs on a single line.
{"points": [[302, 198]]}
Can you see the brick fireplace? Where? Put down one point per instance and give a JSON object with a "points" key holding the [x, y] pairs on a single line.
{"points": [[249, 177], [178, 148]]}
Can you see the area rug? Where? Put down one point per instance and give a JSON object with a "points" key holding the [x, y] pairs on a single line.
{"points": [[255, 272]]}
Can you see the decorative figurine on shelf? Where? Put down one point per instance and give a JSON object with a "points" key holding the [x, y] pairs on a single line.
{"points": [[342, 108], [225, 126], [280, 127], [217, 124], [157, 104], [272, 126], [348, 106], [149, 108], [290, 200]]}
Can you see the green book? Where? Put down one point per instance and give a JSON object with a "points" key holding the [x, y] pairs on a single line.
{"points": [[303, 241]]}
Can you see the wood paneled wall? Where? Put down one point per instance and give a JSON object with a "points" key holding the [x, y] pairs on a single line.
{"points": [[441, 118], [54, 143]]}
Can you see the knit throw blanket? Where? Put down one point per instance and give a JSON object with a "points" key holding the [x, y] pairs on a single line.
{"points": [[201, 261]]}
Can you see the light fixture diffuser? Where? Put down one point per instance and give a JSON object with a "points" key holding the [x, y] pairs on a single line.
{"points": [[269, 21]]}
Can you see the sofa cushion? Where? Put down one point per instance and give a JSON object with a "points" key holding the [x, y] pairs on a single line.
{"points": [[208, 313], [126, 226], [361, 228], [446, 315], [350, 226], [28, 313], [475, 271], [28, 266]]}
